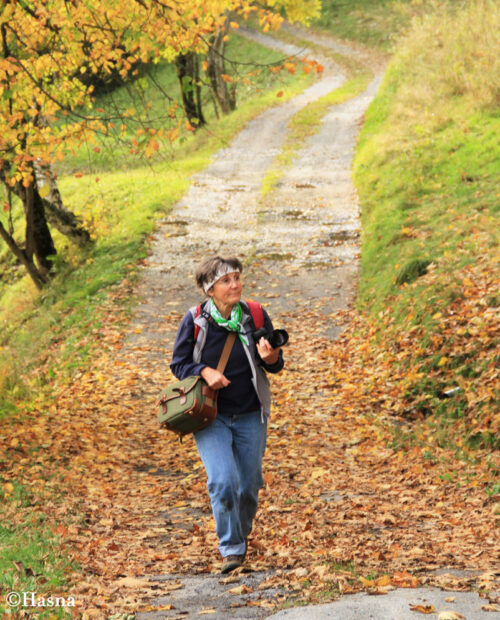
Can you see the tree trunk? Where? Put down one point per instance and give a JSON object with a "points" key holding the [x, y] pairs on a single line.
{"points": [[38, 238], [57, 215], [216, 69], [38, 278], [188, 74]]}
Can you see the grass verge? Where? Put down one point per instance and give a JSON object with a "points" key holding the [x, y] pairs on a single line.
{"points": [[32, 562], [428, 177], [376, 24]]}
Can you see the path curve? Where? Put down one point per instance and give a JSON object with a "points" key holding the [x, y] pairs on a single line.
{"points": [[312, 226]]}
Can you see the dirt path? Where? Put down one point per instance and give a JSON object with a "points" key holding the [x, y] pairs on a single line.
{"points": [[301, 244], [308, 226], [337, 502]]}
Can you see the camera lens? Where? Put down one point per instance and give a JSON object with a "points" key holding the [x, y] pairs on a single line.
{"points": [[278, 338]]}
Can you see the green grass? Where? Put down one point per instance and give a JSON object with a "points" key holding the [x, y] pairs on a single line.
{"points": [[427, 158], [377, 24], [32, 558], [427, 173]]}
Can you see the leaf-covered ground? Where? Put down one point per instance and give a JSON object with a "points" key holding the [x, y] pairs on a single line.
{"points": [[360, 493], [341, 510]]}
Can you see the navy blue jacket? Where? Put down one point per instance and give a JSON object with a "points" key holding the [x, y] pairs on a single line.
{"points": [[241, 395]]}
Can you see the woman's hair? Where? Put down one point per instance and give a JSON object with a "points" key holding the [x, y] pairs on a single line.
{"points": [[207, 271]]}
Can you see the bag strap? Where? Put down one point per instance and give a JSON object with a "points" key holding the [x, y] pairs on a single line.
{"points": [[226, 352], [211, 394]]}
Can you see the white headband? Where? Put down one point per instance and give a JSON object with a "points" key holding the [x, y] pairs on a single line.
{"points": [[223, 270]]}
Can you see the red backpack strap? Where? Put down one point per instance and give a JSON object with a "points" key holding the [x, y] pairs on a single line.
{"points": [[197, 313], [257, 313]]}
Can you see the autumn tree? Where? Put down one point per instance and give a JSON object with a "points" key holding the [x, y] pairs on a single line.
{"points": [[46, 106], [270, 17], [53, 51]]}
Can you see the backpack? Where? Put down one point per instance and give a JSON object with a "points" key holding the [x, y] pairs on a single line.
{"points": [[256, 312]]}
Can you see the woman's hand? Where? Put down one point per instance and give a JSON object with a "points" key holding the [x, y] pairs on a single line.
{"points": [[215, 379], [267, 353]]}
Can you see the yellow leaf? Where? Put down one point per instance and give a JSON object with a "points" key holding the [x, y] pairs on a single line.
{"points": [[367, 582], [8, 488], [318, 472], [385, 580], [131, 582], [443, 361], [44, 191], [240, 590]]}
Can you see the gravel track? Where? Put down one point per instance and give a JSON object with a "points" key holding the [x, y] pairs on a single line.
{"points": [[301, 244]]}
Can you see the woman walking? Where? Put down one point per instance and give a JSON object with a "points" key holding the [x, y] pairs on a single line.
{"points": [[232, 447]]}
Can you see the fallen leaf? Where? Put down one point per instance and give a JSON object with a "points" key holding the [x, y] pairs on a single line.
{"points": [[423, 609], [131, 582], [240, 590], [490, 607]]}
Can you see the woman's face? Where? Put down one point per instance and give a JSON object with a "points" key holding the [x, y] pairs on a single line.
{"points": [[226, 292]]}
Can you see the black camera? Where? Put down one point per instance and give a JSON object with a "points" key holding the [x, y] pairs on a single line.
{"points": [[277, 337]]}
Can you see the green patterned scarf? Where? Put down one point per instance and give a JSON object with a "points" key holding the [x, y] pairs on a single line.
{"points": [[233, 324]]}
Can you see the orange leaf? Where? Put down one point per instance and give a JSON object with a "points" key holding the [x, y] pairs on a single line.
{"points": [[423, 609]]}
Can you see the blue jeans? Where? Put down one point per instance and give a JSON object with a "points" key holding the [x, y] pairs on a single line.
{"points": [[231, 449]]}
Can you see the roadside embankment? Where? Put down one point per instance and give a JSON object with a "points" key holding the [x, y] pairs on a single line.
{"points": [[427, 174]]}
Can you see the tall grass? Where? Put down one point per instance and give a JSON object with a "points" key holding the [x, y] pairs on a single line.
{"points": [[450, 56], [377, 24]]}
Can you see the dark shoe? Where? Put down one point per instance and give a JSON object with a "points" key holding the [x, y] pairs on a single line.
{"points": [[231, 562]]}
